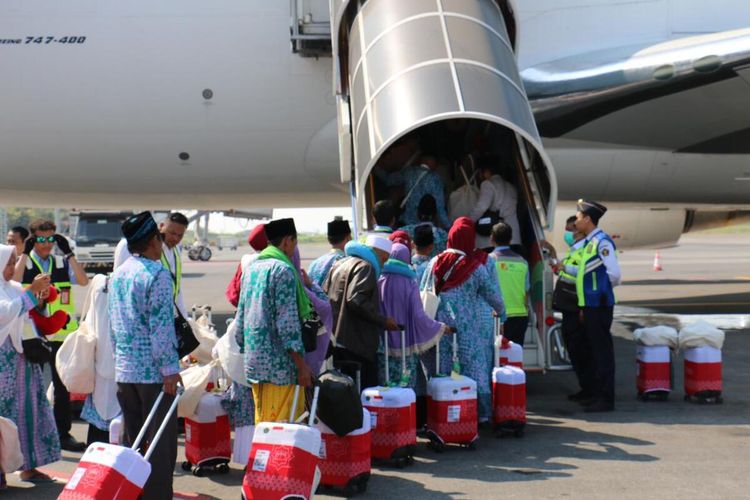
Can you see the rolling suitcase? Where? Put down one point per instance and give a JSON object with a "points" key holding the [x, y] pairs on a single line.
{"points": [[452, 407], [393, 417], [703, 380], [108, 472], [653, 372], [208, 443], [345, 460], [509, 400], [284, 458]]}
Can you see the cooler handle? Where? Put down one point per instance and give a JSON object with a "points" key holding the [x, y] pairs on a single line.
{"points": [[149, 418], [163, 426], [314, 406], [293, 411]]}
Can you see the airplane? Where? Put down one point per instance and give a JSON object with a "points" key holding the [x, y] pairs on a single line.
{"points": [[241, 104]]}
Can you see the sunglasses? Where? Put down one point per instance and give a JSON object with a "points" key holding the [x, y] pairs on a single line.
{"points": [[45, 239]]}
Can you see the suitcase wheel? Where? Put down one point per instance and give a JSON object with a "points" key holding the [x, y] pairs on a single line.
{"points": [[187, 466], [518, 433], [362, 484], [472, 446], [436, 446], [222, 468], [199, 471]]}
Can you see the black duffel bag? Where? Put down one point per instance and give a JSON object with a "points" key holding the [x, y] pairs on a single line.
{"points": [[339, 405], [186, 341], [565, 297]]}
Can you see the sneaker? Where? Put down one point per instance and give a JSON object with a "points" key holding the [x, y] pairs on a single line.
{"points": [[69, 443]]}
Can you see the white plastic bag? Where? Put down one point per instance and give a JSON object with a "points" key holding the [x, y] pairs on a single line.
{"points": [[194, 379], [430, 299], [75, 360], [700, 334], [657, 336], [230, 357], [11, 458], [207, 338]]}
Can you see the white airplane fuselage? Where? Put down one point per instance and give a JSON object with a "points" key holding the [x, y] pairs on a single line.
{"points": [[203, 104]]}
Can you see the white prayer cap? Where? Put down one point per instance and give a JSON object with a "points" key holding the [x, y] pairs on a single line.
{"points": [[379, 243]]}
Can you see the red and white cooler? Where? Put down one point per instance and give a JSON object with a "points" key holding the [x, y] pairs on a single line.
{"points": [[393, 415], [703, 371], [452, 409], [653, 369], [509, 353], [345, 460], [107, 471], [393, 420], [283, 459], [509, 399], [207, 435]]}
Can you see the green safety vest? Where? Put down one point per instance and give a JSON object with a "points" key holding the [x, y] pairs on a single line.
{"points": [[512, 272], [61, 280], [176, 274]]}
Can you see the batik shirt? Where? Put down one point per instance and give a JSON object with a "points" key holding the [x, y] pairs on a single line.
{"points": [[268, 318], [141, 315], [430, 183], [420, 264], [440, 237], [322, 265]]}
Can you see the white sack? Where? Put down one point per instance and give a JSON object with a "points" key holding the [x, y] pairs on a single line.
{"points": [[701, 334], [11, 458], [657, 336]]}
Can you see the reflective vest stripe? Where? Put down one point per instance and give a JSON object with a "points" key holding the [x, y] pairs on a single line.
{"points": [[177, 274]]}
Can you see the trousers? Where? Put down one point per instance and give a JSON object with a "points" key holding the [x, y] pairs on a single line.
{"points": [[61, 406], [136, 401], [597, 324]]}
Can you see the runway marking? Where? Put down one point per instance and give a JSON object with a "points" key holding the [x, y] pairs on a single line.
{"points": [[746, 278], [64, 477]]}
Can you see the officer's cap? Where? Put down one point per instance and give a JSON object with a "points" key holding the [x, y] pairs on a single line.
{"points": [[592, 209]]}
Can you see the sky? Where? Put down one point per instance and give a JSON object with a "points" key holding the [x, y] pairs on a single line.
{"points": [[307, 220]]}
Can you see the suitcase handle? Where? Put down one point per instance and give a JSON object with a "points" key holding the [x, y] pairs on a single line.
{"points": [[151, 416], [499, 333], [455, 353], [403, 356], [313, 405]]}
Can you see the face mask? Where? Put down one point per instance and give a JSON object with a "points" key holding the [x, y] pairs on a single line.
{"points": [[569, 238]]}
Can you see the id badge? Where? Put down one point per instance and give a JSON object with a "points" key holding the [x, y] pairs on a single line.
{"points": [[65, 296]]}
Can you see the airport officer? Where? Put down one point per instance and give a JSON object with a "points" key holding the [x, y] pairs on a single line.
{"points": [[598, 274], [64, 271]]}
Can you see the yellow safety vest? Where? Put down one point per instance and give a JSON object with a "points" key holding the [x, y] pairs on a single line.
{"points": [[177, 273], [512, 272], [64, 300]]}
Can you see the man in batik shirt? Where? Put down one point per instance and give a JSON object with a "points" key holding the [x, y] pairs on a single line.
{"points": [[272, 307], [339, 234], [145, 346]]}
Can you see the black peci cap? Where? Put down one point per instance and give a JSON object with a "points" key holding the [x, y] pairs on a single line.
{"points": [[280, 228], [139, 226], [338, 228]]}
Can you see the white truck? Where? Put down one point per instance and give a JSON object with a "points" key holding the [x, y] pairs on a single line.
{"points": [[95, 235]]}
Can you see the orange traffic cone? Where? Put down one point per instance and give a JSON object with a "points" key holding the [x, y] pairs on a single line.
{"points": [[657, 262]]}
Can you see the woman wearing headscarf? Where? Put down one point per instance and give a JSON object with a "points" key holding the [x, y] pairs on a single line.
{"points": [[399, 295], [464, 285], [22, 395]]}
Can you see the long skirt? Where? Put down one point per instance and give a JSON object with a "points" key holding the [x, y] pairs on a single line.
{"points": [[23, 400]]}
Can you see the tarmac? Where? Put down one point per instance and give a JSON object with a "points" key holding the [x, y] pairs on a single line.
{"points": [[642, 450]]}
